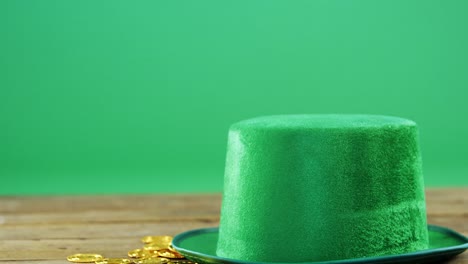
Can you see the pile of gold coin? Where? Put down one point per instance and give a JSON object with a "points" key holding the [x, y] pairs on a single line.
{"points": [[156, 250]]}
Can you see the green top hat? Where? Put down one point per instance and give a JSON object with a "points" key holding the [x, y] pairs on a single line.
{"points": [[329, 187]]}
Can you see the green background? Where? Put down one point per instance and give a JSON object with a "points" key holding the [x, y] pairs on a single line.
{"points": [[137, 96]]}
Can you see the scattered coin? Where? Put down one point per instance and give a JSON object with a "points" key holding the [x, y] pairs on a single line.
{"points": [[171, 248], [152, 247], [156, 250], [113, 261], [166, 253], [152, 261], [84, 258], [162, 241], [180, 261], [139, 253]]}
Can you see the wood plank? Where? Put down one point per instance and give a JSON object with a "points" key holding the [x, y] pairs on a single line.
{"points": [[460, 224], [460, 259], [46, 229], [447, 194], [98, 230], [35, 262], [50, 249], [65, 204], [124, 216]]}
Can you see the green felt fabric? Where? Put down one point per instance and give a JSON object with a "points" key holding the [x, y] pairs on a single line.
{"points": [[322, 187]]}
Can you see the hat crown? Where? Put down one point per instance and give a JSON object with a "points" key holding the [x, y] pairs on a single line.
{"points": [[326, 186], [321, 121]]}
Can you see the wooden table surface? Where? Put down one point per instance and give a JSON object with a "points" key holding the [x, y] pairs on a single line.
{"points": [[41, 230]]}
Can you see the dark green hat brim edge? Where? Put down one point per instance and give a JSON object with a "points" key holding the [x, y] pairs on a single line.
{"points": [[199, 245]]}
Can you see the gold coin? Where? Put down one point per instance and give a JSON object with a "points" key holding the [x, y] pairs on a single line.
{"points": [[180, 261], [152, 261], [84, 258], [163, 241], [114, 261], [171, 248], [166, 253], [153, 247], [139, 253]]}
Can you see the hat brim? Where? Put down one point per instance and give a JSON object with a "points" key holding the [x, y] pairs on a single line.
{"points": [[199, 245]]}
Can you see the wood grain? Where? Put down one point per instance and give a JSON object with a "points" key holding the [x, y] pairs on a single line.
{"points": [[41, 230]]}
